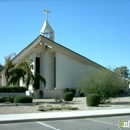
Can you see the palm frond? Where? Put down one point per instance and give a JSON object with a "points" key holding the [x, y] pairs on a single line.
{"points": [[14, 80], [27, 81], [39, 77]]}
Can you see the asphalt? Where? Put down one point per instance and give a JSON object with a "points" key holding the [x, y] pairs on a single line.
{"points": [[12, 118]]}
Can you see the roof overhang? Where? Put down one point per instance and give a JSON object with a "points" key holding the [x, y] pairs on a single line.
{"points": [[41, 40]]}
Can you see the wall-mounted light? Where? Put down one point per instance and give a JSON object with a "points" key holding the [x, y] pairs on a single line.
{"points": [[40, 44], [48, 47]]}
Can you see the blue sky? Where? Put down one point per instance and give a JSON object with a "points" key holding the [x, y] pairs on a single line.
{"points": [[98, 30]]}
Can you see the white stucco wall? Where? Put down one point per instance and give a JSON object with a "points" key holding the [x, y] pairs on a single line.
{"points": [[3, 80], [47, 69], [21, 82], [69, 71], [0, 81]]}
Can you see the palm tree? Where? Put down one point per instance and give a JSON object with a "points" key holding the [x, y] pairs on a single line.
{"points": [[1, 67], [23, 70], [8, 65]]}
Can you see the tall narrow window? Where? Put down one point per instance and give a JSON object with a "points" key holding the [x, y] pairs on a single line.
{"points": [[38, 71], [54, 72]]}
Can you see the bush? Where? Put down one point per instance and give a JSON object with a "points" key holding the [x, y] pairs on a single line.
{"points": [[40, 93], [93, 99], [68, 96], [104, 82], [19, 89], [11, 99], [81, 93], [57, 97], [7, 89], [66, 90], [1, 100], [73, 90], [7, 99], [23, 99]]}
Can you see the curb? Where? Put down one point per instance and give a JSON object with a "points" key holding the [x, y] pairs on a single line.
{"points": [[62, 118]]}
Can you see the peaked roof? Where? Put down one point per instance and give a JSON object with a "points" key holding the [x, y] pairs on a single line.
{"points": [[57, 46], [45, 26]]}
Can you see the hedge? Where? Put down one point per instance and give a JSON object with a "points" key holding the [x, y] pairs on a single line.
{"points": [[7, 99], [8, 89], [1, 100], [23, 99]]}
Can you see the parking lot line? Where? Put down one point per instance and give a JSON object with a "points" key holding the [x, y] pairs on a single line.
{"points": [[47, 125], [102, 122]]}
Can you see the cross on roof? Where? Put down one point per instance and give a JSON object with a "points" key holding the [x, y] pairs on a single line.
{"points": [[47, 11]]}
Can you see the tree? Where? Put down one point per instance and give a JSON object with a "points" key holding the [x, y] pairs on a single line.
{"points": [[23, 71], [103, 82], [1, 67], [123, 71], [8, 65]]}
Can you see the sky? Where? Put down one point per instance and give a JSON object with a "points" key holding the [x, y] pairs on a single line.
{"points": [[96, 29]]}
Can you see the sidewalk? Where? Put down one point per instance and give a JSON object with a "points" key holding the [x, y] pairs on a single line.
{"points": [[10, 118]]}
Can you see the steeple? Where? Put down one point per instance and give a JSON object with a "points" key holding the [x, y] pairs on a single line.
{"points": [[47, 30]]}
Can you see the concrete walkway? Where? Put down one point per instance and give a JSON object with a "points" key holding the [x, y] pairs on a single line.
{"points": [[10, 118]]}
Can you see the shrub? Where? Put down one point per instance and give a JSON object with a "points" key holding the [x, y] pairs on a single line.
{"points": [[5, 89], [19, 89], [23, 99], [93, 99], [81, 93], [73, 90], [40, 93], [57, 97], [7, 99], [1, 100], [66, 90], [104, 82], [12, 89], [11, 99], [68, 96]]}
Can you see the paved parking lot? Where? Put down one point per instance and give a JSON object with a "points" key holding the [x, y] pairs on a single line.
{"points": [[104, 123]]}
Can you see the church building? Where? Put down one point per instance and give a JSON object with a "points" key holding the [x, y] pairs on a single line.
{"points": [[60, 66]]}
